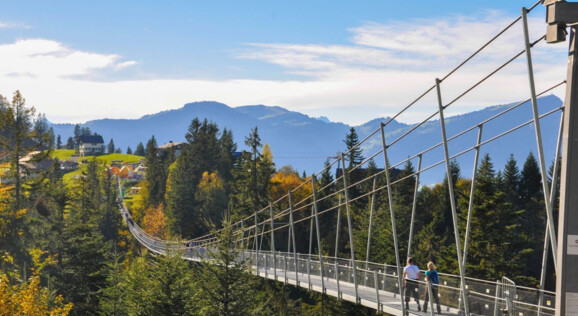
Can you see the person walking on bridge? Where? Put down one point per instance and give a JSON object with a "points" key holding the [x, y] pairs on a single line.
{"points": [[410, 283], [431, 276]]}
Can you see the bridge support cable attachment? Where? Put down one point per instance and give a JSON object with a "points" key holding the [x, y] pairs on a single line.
{"points": [[463, 289], [337, 228], [369, 229], [538, 131], [273, 242], [313, 184], [414, 206], [292, 233], [392, 216], [350, 228], [472, 191], [555, 175]]}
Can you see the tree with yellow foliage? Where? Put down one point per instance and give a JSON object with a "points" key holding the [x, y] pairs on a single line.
{"points": [[155, 221], [29, 298]]}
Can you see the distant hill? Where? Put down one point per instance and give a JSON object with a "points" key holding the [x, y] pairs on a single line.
{"points": [[305, 143]]}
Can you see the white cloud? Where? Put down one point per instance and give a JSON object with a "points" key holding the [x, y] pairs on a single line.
{"points": [[11, 25], [383, 69], [47, 58], [125, 64]]}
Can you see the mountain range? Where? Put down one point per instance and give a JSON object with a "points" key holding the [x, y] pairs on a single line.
{"points": [[305, 142]]}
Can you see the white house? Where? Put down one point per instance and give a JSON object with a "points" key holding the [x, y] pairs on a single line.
{"points": [[91, 145]]}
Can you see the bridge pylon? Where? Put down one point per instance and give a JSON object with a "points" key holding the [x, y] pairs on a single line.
{"points": [[559, 15]]}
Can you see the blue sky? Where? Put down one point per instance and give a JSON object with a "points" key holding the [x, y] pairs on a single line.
{"points": [[351, 61]]}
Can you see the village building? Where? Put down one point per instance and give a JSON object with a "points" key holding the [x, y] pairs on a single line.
{"points": [[91, 145]]}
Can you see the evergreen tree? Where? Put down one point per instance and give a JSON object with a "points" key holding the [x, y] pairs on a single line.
{"points": [[533, 221], [403, 193], [58, 142], [488, 236], [354, 152], [128, 151], [227, 284], [70, 143], [253, 176], [18, 139], [140, 150], [354, 158], [110, 147], [227, 156], [201, 153], [155, 174], [436, 240], [114, 297], [51, 139], [84, 269]]}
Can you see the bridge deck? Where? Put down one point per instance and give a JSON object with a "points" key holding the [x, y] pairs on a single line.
{"points": [[339, 278], [388, 302]]}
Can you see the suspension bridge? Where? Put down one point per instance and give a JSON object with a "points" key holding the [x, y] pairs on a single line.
{"points": [[268, 238]]}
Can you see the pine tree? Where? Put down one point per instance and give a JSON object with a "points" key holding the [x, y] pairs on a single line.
{"points": [[128, 151], [156, 177], [19, 138], [253, 176], [110, 147], [201, 153], [354, 158], [140, 150], [70, 143], [533, 219], [227, 284], [84, 270]]}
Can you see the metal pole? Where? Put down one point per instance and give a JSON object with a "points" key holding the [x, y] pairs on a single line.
{"points": [[243, 239], [547, 231], [313, 182], [350, 228], [375, 280], [256, 244], [566, 273], [311, 232], [452, 200], [538, 131], [293, 239], [273, 242], [337, 245], [369, 229], [414, 206], [472, 190], [496, 298], [392, 216], [310, 249], [471, 201]]}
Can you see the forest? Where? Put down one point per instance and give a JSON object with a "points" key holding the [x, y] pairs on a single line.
{"points": [[66, 250]]}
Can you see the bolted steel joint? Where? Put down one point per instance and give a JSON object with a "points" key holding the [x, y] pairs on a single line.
{"points": [[559, 14]]}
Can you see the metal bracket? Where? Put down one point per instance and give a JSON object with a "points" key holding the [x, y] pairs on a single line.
{"points": [[559, 13]]}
